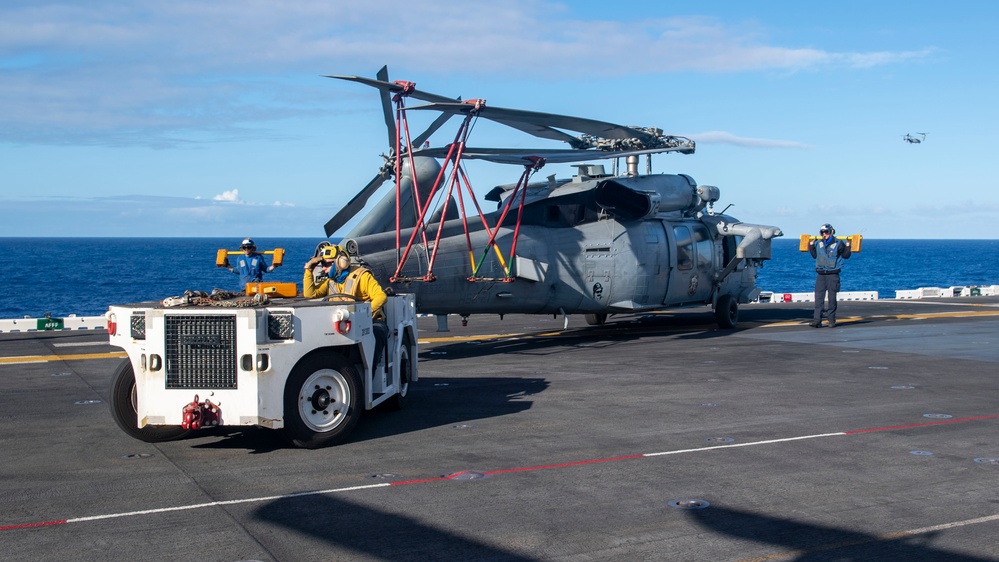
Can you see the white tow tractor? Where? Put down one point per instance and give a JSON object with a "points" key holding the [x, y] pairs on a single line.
{"points": [[306, 367]]}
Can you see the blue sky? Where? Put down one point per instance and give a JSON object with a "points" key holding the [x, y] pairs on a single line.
{"points": [[189, 118]]}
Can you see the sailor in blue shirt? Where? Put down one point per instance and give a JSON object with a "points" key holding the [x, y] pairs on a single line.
{"points": [[829, 254], [251, 265]]}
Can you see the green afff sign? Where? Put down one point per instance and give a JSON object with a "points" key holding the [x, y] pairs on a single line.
{"points": [[50, 323]]}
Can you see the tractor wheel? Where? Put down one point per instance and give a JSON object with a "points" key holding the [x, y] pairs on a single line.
{"points": [[407, 355], [123, 409], [322, 401]]}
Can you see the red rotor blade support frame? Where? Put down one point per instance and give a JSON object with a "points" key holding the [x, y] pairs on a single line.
{"points": [[458, 181]]}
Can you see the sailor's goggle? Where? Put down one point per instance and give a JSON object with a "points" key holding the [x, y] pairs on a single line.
{"points": [[825, 231]]}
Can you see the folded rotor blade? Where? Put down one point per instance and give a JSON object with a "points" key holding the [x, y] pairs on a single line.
{"points": [[386, 98], [387, 86], [552, 156], [357, 203], [541, 131], [535, 129], [386, 89], [520, 119]]}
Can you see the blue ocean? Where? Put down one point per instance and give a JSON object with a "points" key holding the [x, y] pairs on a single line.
{"points": [[83, 276]]}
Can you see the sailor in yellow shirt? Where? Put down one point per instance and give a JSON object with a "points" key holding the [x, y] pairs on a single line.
{"points": [[341, 278]]}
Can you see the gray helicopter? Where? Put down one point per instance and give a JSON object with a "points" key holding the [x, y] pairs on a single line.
{"points": [[913, 140], [597, 244]]}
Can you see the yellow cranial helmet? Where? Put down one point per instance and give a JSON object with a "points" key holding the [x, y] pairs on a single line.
{"points": [[337, 255]]}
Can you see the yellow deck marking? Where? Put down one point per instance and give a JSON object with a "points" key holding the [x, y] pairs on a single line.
{"points": [[74, 357], [479, 337], [942, 314], [921, 316]]}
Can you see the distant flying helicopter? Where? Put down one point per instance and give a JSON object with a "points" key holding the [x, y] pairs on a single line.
{"points": [[913, 140], [595, 244]]}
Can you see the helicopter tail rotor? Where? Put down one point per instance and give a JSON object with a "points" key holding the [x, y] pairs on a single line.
{"points": [[358, 202]]}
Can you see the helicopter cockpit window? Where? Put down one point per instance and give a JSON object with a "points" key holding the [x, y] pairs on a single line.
{"points": [[684, 248], [703, 244]]}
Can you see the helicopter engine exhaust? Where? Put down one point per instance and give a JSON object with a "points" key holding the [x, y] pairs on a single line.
{"points": [[641, 197]]}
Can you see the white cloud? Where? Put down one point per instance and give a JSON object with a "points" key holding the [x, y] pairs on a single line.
{"points": [[231, 195], [160, 74]]}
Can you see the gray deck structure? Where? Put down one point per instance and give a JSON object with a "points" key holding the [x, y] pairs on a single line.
{"points": [[656, 437]]}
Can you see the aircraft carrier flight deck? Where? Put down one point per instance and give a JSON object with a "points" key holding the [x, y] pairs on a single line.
{"points": [[652, 437]]}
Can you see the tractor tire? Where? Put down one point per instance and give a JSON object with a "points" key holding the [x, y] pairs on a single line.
{"points": [[322, 401], [407, 356], [123, 409]]}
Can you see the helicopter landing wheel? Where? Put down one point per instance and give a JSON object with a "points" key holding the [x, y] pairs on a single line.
{"points": [[727, 312]]}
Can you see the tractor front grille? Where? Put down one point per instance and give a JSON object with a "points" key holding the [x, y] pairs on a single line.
{"points": [[200, 351]]}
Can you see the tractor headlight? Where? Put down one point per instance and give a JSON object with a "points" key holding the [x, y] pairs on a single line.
{"points": [[137, 323], [280, 326]]}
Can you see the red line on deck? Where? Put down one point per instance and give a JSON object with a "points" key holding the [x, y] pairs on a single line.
{"points": [[30, 525], [925, 424], [455, 475]]}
